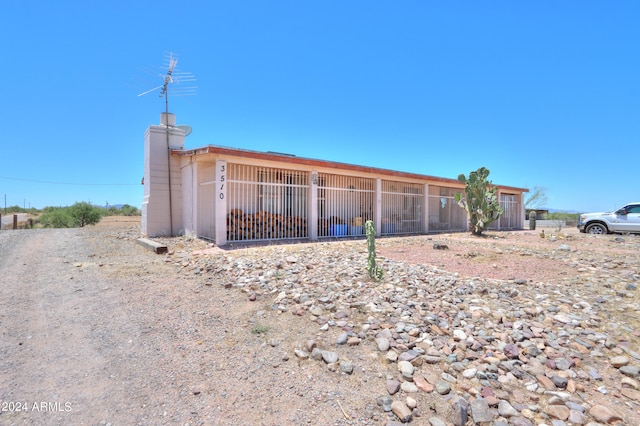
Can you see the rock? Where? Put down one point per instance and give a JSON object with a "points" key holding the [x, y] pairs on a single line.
{"points": [[460, 408], [409, 387], [443, 387], [546, 382], [422, 384], [346, 367], [480, 411], [459, 335], [382, 343], [406, 369], [631, 393], [393, 386], [619, 361], [353, 341], [411, 403], [558, 411], [603, 414], [329, 357], [401, 410], [630, 370], [576, 418], [385, 403], [511, 351], [409, 355], [628, 382], [301, 354], [435, 421], [317, 354], [506, 410]]}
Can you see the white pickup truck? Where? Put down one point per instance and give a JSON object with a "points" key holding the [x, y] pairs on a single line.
{"points": [[626, 219]]}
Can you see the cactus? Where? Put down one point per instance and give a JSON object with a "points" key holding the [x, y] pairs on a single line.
{"points": [[480, 202], [375, 272], [532, 220]]}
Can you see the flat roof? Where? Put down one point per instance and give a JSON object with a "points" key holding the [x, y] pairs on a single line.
{"points": [[290, 158]]}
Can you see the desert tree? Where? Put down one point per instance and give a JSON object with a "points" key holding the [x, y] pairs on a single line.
{"points": [[537, 198]]}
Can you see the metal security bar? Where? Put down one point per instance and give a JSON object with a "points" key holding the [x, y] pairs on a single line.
{"points": [[344, 204], [401, 207], [206, 203], [510, 219], [444, 213], [266, 203]]}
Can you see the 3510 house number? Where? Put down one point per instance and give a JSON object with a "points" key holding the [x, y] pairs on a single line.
{"points": [[223, 175]]}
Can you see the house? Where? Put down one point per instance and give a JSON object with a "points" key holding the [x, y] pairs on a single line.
{"points": [[226, 195]]}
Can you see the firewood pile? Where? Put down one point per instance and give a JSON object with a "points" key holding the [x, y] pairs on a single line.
{"points": [[264, 225]]}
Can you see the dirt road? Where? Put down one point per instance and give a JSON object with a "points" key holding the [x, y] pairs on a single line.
{"points": [[96, 329]]}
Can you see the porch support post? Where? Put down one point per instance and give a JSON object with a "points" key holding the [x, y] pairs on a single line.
{"points": [[194, 199], [497, 222], [425, 209], [190, 197], [221, 203], [312, 207], [523, 213], [377, 216]]}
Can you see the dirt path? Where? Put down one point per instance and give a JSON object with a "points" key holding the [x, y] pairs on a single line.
{"points": [[96, 329], [58, 342]]}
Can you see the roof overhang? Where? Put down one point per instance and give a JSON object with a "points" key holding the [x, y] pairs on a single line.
{"points": [[279, 157]]}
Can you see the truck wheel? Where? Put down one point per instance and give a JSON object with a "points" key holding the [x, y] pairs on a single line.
{"points": [[597, 228]]}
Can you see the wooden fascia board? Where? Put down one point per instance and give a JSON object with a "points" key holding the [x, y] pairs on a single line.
{"points": [[266, 156]]}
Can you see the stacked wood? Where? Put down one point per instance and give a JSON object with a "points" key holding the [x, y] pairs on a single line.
{"points": [[263, 225]]}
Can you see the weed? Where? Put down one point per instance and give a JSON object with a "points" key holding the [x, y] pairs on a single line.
{"points": [[260, 329]]}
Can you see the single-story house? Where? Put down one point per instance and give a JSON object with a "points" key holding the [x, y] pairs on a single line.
{"points": [[226, 195]]}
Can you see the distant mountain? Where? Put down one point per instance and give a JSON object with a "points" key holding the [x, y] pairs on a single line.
{"points": [[563, 211]]}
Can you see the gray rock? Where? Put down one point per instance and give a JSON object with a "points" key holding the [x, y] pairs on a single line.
{"points": [[460, 408], [443, 387], [480, 411], [346, 367], [316, 354], [385, 403], [382, 344], [409, 387], [301, 354], [435, 421], [406, 369], [630, 371], [506, 410], [329, 357]]}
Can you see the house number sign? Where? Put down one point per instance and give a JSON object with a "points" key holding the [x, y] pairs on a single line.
{"points": [[222, 177]]}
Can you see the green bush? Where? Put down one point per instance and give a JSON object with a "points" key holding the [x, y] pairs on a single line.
{"points": [[58, 218], [85, 214], [77, 215]]}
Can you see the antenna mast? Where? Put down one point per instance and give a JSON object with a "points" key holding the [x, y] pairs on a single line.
{"points": [[172, 76]]}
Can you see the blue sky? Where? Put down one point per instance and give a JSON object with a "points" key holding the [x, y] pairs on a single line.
{"points": [[544, 94]]}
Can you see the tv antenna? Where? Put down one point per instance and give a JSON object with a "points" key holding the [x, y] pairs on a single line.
{"points": [[170, 77]]}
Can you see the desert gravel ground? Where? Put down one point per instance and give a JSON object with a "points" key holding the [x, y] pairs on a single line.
{"points": [[97, 329]]}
